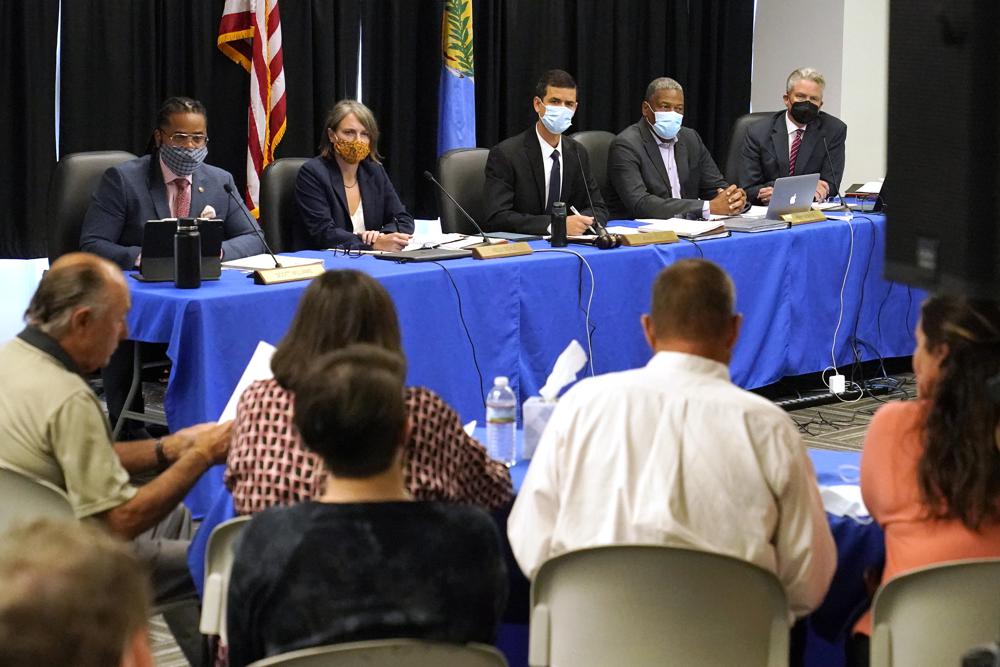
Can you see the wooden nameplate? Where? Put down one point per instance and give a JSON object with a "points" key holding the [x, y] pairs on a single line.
{"points": [[287, 274], [803, 217], [649, 238], [495, 250]]}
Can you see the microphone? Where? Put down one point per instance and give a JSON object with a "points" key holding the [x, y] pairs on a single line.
{"points": [[605, 241], [253, 225], [430, 177], [836, 183]]}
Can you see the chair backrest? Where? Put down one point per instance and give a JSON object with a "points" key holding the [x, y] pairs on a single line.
{"points": [[395, 652], [74, 180], [279, 215], [219, 554], [736, 138], [462, 172], [24, 498], [597, 143], [932, 616], [656, 605]]}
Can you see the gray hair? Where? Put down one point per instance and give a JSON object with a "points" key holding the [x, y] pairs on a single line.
{"points": [[663, 83], [807, 73], [341, 110], [63, 291]]}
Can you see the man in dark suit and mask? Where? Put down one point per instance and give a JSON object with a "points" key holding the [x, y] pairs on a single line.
{"points": [[795, 141]]}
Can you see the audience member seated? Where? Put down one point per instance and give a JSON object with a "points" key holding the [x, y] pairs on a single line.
{"points": [[172, 181], [930, 470], [268, 464], [344, 196], [527, 173], [364, 560], [52, 426], [658, 169], [794, 142], [676, 454], [70, 594]]}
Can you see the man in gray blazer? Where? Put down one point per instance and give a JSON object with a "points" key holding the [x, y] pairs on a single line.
{"points": [[658, 169]]}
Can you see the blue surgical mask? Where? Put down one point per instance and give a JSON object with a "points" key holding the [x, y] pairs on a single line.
{"points": [[668, 124], [557, 119], [182, 160]]}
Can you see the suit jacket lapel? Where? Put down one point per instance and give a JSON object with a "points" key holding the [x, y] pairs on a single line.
{"points": [[653, 153], [337, 185], [157, 188], [779, 141], [534, 153], [570, 173], [197, 193], [681, 159], [806, 148], [368, 196]]}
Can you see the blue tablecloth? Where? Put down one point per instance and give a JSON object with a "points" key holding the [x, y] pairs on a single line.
{"points": [[859, 546], [521, 313]]}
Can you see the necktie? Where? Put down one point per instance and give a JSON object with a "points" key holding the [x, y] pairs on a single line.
{"points": [[182, 202], [555, 179], [794, 152]]}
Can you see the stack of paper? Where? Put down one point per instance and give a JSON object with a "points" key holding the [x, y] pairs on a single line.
{"points": [[265, 261], [687, 229]]}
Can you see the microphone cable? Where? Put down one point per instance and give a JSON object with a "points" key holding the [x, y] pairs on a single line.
{"points": [[590, 300], [465, 326]]}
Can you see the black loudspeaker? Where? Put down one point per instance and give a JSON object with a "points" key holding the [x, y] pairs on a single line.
{"points": [[944, 145]]}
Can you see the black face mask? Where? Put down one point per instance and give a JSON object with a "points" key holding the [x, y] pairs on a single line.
{"points": [[804, 112]]}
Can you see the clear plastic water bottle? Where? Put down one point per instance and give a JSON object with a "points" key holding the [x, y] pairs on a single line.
{"points": [[501, 422]]}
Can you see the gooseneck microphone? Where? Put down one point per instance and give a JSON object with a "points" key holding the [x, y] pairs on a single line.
{"points": [[430, 177], [605, 240], [253, 225], [836, 183]]}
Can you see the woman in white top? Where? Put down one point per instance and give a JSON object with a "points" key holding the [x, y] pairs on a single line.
{"points": [[345, 198]]}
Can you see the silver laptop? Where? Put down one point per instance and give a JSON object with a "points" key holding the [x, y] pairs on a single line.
{"points": [[792, 194]]}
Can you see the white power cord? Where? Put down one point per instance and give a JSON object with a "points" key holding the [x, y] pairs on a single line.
{"points": [[590, 300]]}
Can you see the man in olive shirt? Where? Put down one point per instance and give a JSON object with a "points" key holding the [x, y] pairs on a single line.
{"points": [[52, 426]]}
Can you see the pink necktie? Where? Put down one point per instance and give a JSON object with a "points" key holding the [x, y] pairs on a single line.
{"points": [[795, 152], [182, 202]]}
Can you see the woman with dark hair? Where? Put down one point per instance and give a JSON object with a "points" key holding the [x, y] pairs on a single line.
{"points": [[930, 471], [269, 466], [363, 561], [345, 198]]}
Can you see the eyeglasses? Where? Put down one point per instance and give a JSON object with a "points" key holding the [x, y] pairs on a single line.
{"points": [[347, 252], [183, 138]]}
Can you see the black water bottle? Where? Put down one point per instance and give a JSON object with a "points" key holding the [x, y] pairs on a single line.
{"points": [[558, 239], [187, 254]]}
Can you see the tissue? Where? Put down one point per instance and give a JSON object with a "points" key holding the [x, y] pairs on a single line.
{"points": [[537, 409]]}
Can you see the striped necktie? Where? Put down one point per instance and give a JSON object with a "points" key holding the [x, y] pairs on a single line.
{"points": [[794, 154]]}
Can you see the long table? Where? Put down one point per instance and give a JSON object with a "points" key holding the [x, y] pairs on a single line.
{"points": [[513, 316]]}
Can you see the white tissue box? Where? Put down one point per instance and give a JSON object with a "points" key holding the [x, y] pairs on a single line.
{"points": [[536, 413]]}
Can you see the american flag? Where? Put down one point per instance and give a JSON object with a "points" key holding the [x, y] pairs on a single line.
{"points": [[242, 25]]}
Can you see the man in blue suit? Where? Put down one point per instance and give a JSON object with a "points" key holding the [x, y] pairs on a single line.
{"points": [[171, 182]]}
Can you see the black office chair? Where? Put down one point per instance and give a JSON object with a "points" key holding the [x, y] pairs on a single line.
{"points": [[74, 180], [462, 172], [736, 138], [279, 216], [597, 143]]}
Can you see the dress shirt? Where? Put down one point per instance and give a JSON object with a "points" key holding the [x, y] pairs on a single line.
{"points": [[547, 163], [792, 129], [168, 179], [674, 453], [670, 163]]}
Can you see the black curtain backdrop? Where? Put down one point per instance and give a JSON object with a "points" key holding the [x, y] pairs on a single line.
{"points": [[121, 58], [27, 122]]}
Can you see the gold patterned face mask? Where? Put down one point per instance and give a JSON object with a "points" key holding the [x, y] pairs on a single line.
{"points": [[352, 151]]}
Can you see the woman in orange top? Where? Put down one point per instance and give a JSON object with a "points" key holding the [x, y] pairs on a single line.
{"points": [[930, 470]]}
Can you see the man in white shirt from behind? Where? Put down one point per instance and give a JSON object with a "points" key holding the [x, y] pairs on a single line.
{"points": [[674, 453]]}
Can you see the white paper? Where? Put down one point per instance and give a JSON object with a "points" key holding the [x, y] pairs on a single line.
{"points": [[871, 187], [825, 205], [845, 500], [264, 261], [259, 368], [569, 363], [621, 229], [681, 226], [755, 212]]}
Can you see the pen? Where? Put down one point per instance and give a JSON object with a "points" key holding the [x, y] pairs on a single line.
{"points": [[576, 212]]}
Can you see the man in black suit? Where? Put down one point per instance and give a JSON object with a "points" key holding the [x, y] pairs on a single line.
{"points": [[658, 169], [527, 173], [791, 142]]}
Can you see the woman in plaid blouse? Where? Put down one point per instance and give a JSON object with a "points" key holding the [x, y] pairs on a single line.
{"points": [[268, 464]]}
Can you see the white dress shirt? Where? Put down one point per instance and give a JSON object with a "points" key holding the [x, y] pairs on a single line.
{"points": [[674, 453], [358, 219], [547, 164], [666, 147]]}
